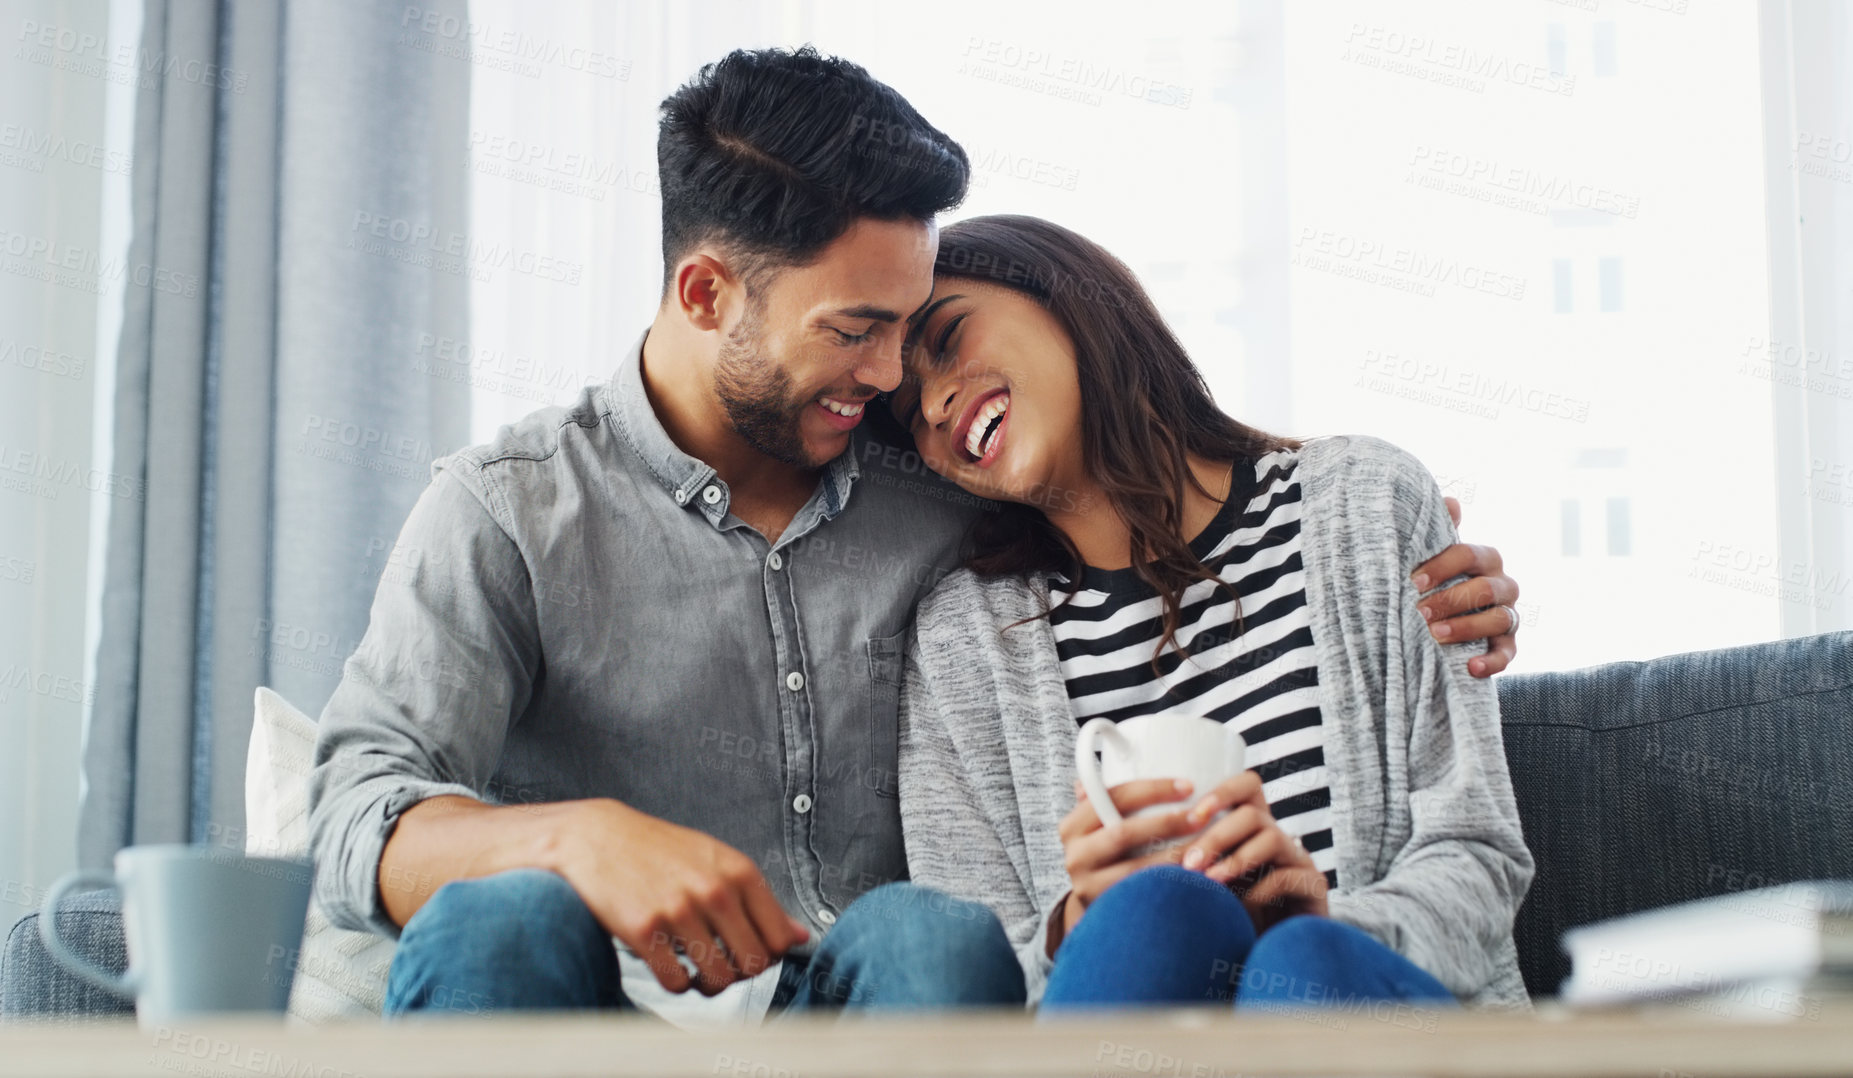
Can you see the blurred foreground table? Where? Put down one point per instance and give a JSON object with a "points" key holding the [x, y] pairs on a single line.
{"points": [[1667, 1042]]}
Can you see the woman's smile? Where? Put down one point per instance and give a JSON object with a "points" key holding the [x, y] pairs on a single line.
{"points": [[981, 432], [992, 397]]}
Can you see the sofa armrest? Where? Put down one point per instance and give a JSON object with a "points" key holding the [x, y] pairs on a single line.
{"points": [[32, 983]]}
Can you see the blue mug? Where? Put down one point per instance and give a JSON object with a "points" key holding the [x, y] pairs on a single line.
{"points": [[209, 931]]}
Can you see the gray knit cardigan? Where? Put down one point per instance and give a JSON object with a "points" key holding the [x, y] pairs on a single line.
{"points": [[1431, 859]]}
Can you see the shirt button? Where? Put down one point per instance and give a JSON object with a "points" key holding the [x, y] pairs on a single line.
{"points": [[794, 681], [775, 561], [711, 495], [826, 917], [801, 804], [681, 497]]}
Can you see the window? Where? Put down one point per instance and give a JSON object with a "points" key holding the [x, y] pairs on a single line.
{"points": [[1621, 539], [1608, 278], [1602, 50], [1503, 262], [1402, 265]]}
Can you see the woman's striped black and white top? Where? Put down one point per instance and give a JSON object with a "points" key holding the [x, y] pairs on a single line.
{"points": [[1263, 676]]}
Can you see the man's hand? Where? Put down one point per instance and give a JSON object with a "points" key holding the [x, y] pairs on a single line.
{"points": [[662, 888], [1099, 857], [1472, 609], [1248, 852], [657, 887]]}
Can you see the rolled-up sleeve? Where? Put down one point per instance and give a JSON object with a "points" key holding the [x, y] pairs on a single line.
{"points": [[426, 701]]}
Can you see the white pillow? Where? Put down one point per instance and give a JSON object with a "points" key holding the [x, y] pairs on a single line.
{"points": [[339, 974]]}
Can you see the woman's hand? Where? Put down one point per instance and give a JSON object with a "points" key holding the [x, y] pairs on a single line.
{"points": [[1099, 857], [1246, 850], [1475, 608]]}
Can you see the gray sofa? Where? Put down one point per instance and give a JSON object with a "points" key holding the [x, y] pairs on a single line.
{"points": [[1645, 784], [1639, 784]]}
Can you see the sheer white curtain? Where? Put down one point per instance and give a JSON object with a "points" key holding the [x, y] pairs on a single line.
{"points": [[1807, 354], [1535, 245], [66, 151]]}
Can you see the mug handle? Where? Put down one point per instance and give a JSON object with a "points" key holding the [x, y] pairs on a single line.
{"points": [[124, 985], [1088, 768]]}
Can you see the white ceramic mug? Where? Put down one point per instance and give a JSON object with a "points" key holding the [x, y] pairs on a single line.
{"points": [[1155, 747]]}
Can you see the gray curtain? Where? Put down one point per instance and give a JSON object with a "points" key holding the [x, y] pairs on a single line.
{"points": [[301, 171]]}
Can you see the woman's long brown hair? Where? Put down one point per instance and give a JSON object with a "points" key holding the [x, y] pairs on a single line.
{"points": [[1144, 407]]}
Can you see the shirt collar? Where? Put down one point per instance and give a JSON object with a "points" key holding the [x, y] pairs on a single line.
{"points": [[684, 478], [841, 474]]}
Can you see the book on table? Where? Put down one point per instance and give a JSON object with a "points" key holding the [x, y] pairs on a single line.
{"points": [[1765, 953]]}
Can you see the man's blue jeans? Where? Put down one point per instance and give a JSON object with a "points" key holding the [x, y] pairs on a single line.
{"points": [[1168, 936], [524, 940]]}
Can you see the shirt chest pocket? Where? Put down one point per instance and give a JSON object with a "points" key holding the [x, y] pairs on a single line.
{"points": [[882, 712]]}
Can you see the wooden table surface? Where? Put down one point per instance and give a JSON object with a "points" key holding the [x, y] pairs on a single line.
{"points": [[1669, 1042]]}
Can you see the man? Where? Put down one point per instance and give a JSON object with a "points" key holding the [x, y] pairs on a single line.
{"points": [[642, 677]]}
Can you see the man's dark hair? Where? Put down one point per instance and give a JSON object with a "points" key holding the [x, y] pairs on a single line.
{"points": [[773, 154]]}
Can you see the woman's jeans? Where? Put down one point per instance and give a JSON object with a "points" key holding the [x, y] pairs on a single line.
{"points": [[1168, 936], [524, 940]]}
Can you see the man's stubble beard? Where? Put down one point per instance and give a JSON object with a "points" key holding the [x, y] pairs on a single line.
{"points": [[756, 394]]}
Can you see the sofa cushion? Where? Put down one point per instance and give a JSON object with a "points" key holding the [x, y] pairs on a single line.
{"points": [[1645, 784], [33, 984], [339, 974]]}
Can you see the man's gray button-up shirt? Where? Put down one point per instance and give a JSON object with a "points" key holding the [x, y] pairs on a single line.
{"points": [[572, 611]]}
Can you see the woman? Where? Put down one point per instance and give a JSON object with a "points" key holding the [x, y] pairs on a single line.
{"points": [[1373, 852]]}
